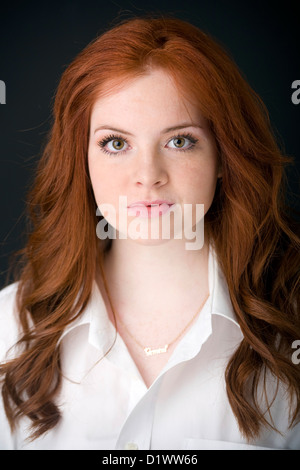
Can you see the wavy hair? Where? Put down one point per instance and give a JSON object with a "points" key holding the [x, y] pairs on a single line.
{"points": [[256, 241]]}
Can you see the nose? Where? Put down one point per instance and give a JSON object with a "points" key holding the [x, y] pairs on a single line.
{"points": [[149, 170]]}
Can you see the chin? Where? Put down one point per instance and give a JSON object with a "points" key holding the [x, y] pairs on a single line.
{"points": [[150, 242]]}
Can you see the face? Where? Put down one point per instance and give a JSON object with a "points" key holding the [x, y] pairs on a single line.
{"points": [[149, 144]]}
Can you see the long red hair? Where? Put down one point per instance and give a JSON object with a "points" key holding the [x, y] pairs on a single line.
{"points": [[256, 243]]}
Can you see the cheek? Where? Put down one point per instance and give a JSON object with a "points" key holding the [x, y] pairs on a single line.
{"points": [[105, 183], [198, 188], [99, 184], [200, 181]]}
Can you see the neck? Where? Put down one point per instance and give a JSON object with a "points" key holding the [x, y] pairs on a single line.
{"points": [[155, 278]]}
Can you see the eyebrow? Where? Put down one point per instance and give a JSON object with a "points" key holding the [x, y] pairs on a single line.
{"points": [[165, 131]]}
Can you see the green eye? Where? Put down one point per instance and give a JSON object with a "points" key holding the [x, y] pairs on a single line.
{"points": [[179, 142], [118, 144], [113, 145], [182, 142]]}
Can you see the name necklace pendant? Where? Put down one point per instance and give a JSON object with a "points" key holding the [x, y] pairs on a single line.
{"points": [[152, 352]]}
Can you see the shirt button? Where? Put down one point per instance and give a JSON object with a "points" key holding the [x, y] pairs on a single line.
{"points": [[131, 446]]}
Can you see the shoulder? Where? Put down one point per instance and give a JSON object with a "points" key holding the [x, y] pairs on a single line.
{"points": [[8, 291], [8, 300], [9, 324]]}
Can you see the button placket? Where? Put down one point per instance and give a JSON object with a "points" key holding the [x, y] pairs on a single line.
{"points": [[131, 446], [139, 423]]}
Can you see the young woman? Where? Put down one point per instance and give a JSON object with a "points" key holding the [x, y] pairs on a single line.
{"points": [[113, 338]]}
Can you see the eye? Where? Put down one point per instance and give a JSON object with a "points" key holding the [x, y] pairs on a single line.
{"points": [[116, 144], [182, 142], [113, 144]]}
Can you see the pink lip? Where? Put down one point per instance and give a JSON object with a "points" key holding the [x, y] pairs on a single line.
{"points": [[150, 203], [149, 209]]}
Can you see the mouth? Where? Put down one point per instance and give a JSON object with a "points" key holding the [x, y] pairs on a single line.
{"points": [[149, 209]]}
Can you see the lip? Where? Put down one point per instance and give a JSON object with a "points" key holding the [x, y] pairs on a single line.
{"points": [[150, 203], [149, 209]]}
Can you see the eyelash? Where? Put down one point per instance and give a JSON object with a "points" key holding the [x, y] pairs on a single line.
{"points": [[188, 136], [103, 142]]}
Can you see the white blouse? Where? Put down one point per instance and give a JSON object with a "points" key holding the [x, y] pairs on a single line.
{"points": [[105, 403]]}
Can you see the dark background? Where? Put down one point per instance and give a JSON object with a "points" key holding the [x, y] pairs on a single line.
{"points": [[39, 40]]}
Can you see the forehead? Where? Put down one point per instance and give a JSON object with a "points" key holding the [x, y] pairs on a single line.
{"points": [[152, 98]]}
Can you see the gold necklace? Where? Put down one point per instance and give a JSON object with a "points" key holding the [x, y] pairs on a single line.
{"points": [[147, 350]]}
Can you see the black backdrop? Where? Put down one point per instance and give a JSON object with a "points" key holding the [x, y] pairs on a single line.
{"points": [[39, 39]]}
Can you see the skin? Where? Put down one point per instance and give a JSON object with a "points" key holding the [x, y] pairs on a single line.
{"points": [[165, 284]]}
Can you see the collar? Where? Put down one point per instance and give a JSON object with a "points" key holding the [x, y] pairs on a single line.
{"points": [[219, 293], [102, 332]]}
